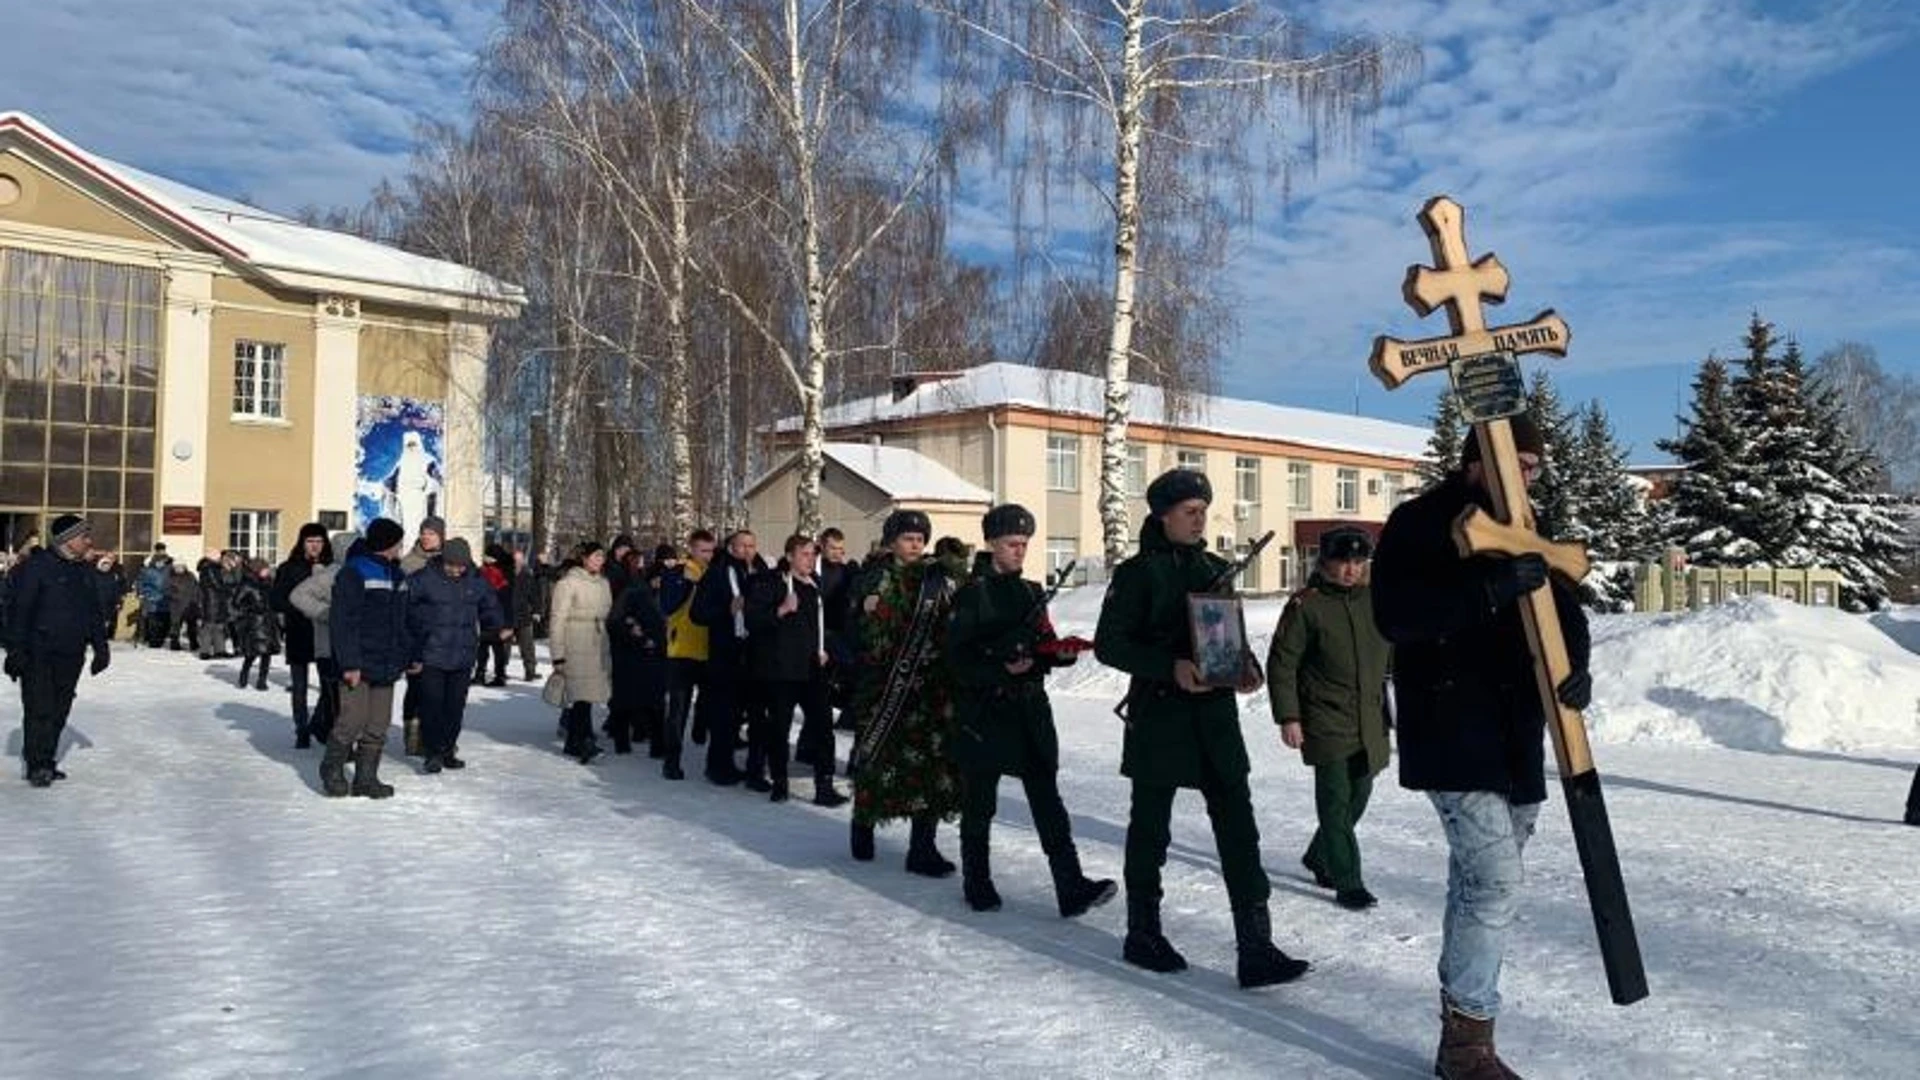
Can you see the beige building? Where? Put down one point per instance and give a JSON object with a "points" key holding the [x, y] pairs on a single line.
{"points": [[1033, 437], [183, 368], [860, 485]]}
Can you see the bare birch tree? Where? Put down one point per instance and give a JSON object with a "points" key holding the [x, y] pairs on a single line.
{"points": [[1173, 88]]}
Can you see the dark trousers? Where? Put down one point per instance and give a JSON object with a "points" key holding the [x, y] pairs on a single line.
{"points": [[1235, 837], [499, 650], [297, 690], [191, 623], [328, 713], [773, 727], [366, 712], [246, 665], [443, 707], [578, 721], [46, 697], [410, 699], [682, 677], [980, 799], [1340, 793], [719, 712], [523, 637], [1913, 797]]}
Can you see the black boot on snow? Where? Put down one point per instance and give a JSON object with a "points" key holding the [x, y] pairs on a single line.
{"points": [[1146, 947], [366, 774], [1261, 962], [976, 879], [333, 772], [922, 857], [861, 841]]}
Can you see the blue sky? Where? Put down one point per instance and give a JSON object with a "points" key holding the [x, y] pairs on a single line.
{"points": [[1653, 169]]}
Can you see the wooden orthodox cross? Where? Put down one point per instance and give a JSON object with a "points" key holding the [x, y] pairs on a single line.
{"points": [[1487, 381]]}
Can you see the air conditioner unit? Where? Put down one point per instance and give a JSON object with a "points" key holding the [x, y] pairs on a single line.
{"points": [[1373, 486], [1242, 511]]}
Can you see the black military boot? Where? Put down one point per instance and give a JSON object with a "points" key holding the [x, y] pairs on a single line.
{"points": [[862, 842], [922, 857], [1076, 892], [1261, 962], [302, 737], [976, 874], [410, 735], [1146, 946], [366, 773], [824, 793], [333, 770]]}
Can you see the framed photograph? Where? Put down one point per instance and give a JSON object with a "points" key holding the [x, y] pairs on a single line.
{"points": [[1219, 628]]}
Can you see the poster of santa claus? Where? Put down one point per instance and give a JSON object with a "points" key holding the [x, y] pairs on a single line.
{"points": [[398, 472]]}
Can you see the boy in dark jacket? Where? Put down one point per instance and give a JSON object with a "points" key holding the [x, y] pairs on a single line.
{"points": [[787, 659], [446, 601], [373, 648], [53, 617], [254, 626], [998, 650], [1471, 726], [1182, 732]]}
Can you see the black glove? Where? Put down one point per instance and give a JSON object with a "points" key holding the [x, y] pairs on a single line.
{"points": [[100, 660], [1576, 690], [1515, 578], [16, 665]]}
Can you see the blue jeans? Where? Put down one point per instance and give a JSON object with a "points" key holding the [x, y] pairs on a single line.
{"points": [[1485, 837]]}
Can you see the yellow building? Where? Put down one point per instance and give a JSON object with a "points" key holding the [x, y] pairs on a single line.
{"points": [[1033, 437], [183, 368]]}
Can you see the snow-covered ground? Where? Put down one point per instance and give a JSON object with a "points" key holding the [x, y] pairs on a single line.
{"points": [[188, 905]]}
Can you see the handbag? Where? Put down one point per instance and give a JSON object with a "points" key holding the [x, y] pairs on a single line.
{"points": [[554, 692]]}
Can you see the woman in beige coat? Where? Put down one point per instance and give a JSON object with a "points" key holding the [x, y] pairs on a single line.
{"points": [[577, 639]]}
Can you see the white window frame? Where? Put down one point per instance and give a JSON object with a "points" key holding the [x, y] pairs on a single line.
{"points": [[1300, 485], [1190, 460], [1136, 469], [1346, 491], [1062, 550], [1246, 479], [1395, 485], [256, 532], [1063, 462], [259, 379]]}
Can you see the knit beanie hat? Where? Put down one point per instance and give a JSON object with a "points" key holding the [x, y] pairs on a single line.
{"points": [[437, 526], [384, 534], [70, 527], [457, 552], [1176, 486]]}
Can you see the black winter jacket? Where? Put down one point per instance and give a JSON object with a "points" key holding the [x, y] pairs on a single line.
{"points": [[368, 620], [783, 648], [252, 625], [713, 606], [286, 578], [53, 608], [446, 616], [1468, 714]]}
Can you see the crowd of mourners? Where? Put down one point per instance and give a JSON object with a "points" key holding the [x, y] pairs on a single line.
{"points": [[935, 656]]}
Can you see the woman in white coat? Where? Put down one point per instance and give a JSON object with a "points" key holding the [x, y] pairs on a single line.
{"points": [[577, 639]]}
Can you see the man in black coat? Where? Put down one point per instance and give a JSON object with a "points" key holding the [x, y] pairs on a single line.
{"points": [[53, 616], [726, 696], [787, 660], [310, 550], [1470, 724], [838, 574]]}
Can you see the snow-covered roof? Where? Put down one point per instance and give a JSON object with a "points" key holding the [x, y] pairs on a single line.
{"points": [[276, 246], [899, 473], [1008, 384]]}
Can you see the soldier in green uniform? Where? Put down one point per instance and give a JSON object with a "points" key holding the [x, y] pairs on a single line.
{"points": [[1000, 647], [1326, 673], [1182, 733]]}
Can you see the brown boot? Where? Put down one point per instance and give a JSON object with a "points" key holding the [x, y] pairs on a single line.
{"points": [[1466, 1050], [410, 729]]}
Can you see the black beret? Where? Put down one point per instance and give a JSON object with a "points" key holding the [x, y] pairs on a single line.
{"points": [[1007, 519], [905, 521], [1176, 486]]}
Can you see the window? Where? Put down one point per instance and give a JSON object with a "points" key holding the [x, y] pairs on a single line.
{"points": [[1249, 580], [1136, 469], [258, 374], [256, 532], [1246, 479], [1396, 486], [1299, 485], [1286, 568], [1191, 460], [1063, 463], [1062, 550], [1346, 491]]}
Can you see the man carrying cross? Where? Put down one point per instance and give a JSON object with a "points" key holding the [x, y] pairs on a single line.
{"points": [[1471, 729]]}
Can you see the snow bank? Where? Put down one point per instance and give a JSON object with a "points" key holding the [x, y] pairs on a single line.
{"points": [[1757, 674]]}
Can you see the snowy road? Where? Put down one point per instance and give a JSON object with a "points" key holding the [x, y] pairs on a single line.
{"points": [[187, 905]]}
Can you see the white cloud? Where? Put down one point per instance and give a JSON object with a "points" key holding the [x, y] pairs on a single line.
{"points": [[288, 102]]}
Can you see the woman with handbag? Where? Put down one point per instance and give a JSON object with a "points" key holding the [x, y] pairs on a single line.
{"points": [[577, 641]]}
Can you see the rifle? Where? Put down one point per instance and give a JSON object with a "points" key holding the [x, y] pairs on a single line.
{"points": [[1219, 583], [1055, 582]]}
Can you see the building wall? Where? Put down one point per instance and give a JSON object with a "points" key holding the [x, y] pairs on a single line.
{"points": [[258, 464], [50, 202]]}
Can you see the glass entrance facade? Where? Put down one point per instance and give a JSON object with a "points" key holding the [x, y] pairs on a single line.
{"points": [[80, 354]]}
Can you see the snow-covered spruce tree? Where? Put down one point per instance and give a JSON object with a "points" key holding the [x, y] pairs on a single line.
{"points": [[1770, 408], [1711, 448], [1554, 508], [1850, 521], [1443, 446], [1611, 517]]}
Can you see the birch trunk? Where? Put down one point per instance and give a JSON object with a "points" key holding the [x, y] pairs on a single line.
{"points": [[1130, 123], [679, 368], [813, 373]]}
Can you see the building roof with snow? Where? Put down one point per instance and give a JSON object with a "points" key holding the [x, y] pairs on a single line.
{"points": [[900, 474], [279, 248], [1003, 384]]}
